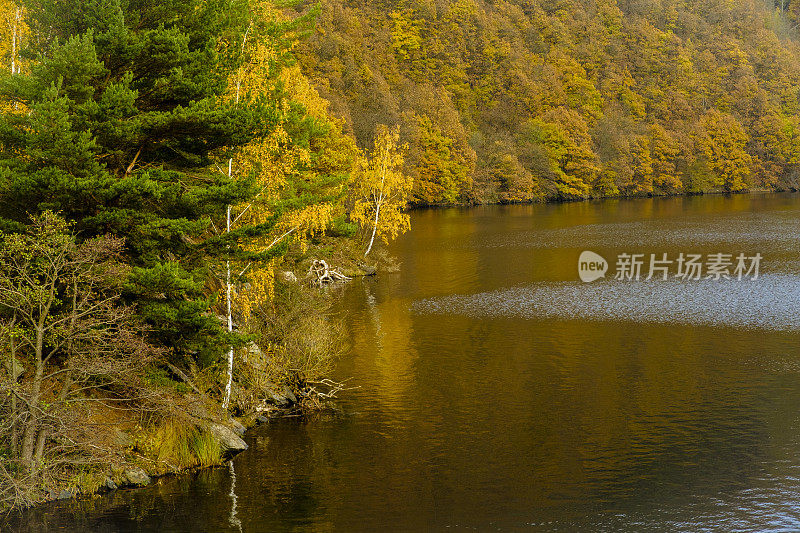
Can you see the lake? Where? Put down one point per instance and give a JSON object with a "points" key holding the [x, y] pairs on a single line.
{"points": [[498, 392]]}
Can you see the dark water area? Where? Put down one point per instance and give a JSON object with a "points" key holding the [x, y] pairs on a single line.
{"points": [[497, 392]]}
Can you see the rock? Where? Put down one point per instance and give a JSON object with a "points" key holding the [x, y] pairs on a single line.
{"points": [[278, 397], [261, 419], [254, 349], [283, 396], [289, 394], [66, 495], [228, 439], [368, 270], [109, 484], [238, 427], [288, 277], [253, 354], [122, 439], [136, 476], [15, 367]]}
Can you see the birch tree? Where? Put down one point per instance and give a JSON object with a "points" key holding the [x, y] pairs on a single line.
{"points": [[295, 192], [14, 31], [381, 189]]}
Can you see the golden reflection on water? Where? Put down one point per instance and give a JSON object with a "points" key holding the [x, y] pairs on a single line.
{"points": [[483, 417]]}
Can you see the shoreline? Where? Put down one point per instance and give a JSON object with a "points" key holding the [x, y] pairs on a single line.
{"points": [[555, 201], [140, 477]]}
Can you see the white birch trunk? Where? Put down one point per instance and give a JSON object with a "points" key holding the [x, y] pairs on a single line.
{"points": [[378, 204], [229, 383], [374, 227], [14, 43]]}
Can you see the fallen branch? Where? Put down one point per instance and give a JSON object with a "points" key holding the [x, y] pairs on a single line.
{"points": [[320, 274], [312, 389], [182, 375]]}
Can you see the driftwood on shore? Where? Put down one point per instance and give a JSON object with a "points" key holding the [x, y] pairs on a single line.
{"points": [[321, 274]]}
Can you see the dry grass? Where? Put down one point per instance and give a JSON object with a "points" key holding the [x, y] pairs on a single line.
{"points": [[179, 443], [299, 341]]}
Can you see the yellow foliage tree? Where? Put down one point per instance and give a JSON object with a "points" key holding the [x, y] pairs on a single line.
{"points": [[405, 34], [664, 150], [13, 32], [381, 189], [298, 180], [721, 142]]}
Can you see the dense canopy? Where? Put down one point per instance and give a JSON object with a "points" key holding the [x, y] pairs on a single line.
{"points": [[516, 100]]}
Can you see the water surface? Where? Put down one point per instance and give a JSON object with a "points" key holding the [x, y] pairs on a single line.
{"points": [[499, 393]]}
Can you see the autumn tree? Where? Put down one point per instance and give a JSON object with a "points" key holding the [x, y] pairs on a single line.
{"points": [[569, 65], [65, 331], [570, 166], [13, 34], [127, 113], [721, 145], [664, 150], [440, 171], [381, 190], [299, 169]]}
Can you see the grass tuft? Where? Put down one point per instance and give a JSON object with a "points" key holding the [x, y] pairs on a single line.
{"points": [[182, 443]]}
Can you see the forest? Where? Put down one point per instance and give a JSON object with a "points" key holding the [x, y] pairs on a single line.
{"points": [[528, 100], [178, 179], [169, 184]]}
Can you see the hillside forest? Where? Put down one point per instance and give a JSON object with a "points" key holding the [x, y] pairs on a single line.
{"points": [[533, 100]]}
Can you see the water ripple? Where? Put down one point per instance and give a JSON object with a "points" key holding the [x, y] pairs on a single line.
{"points": [[751, 231], [770, 302]]}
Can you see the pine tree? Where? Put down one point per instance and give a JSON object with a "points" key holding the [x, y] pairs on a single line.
{"points": [[127, 112]]}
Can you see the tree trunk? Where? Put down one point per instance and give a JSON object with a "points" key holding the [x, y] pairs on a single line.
{"points": [[374, 229], [14, 426], [14, 408], [229, 384], [29, 439], [378, 204], [14, 42], [32, 424], [39, 451], [41, 439]]}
